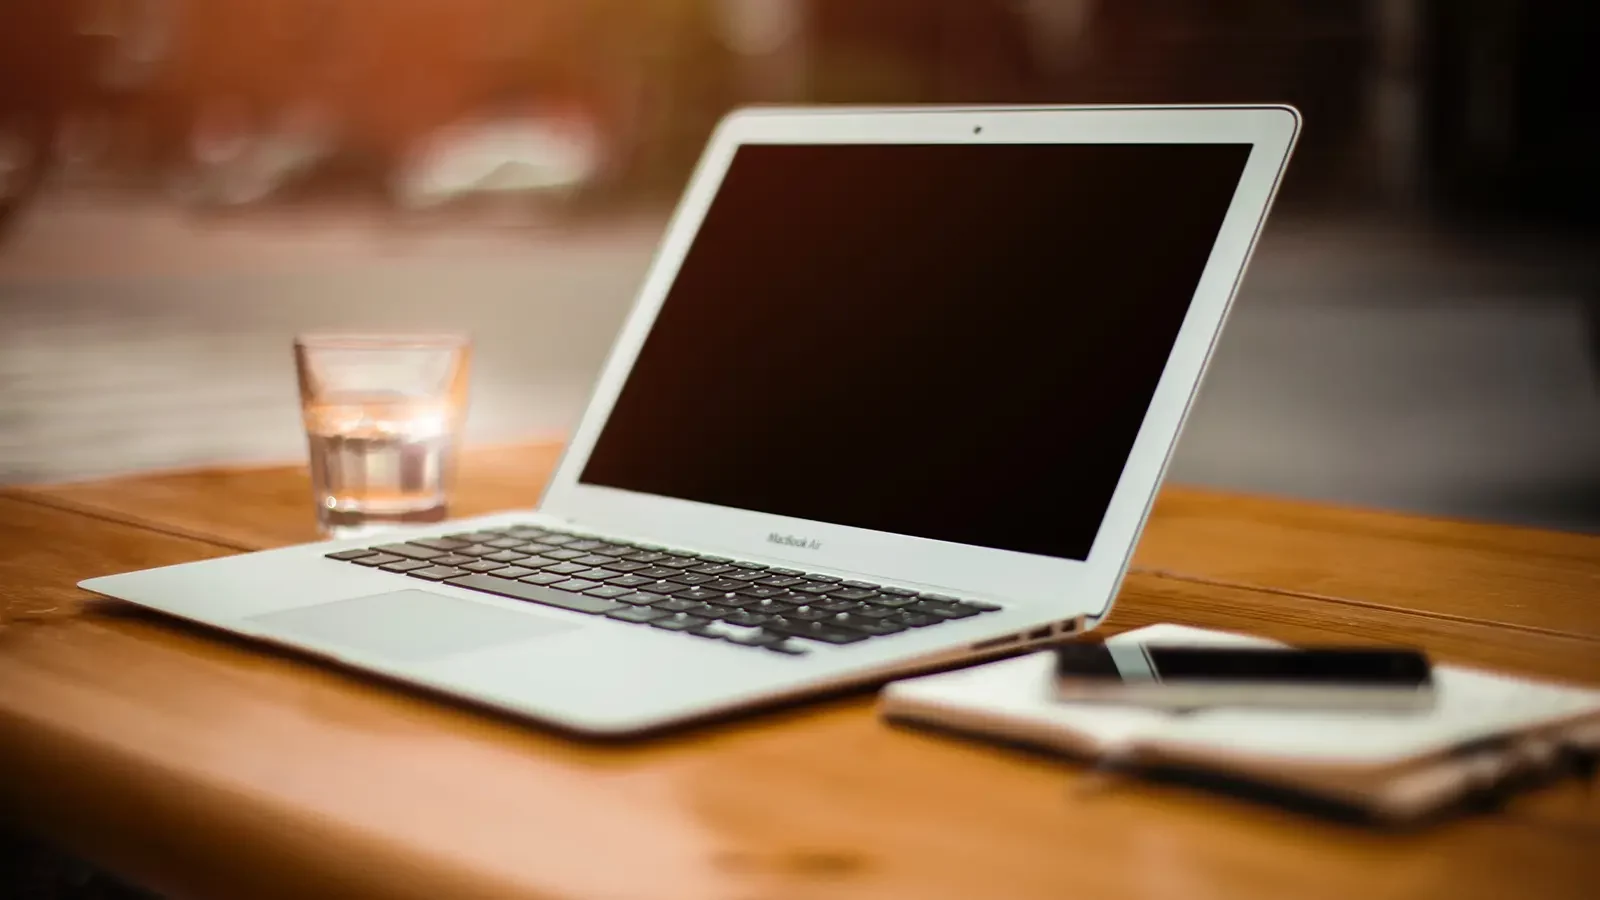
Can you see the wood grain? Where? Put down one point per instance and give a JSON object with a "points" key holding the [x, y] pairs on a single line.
{"points": [[254, 508], [45, 552], [208, 767], [1490, 573], [1149, 599], [1533, 580]]}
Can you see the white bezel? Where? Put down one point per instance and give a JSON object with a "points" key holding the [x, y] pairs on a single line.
{"points": [[1074, 588]]}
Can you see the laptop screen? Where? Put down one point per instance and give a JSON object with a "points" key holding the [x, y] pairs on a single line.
{"points": [[956, 342]]}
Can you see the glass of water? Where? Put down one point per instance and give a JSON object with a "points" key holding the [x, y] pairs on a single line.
{"points": [[382, 416]]}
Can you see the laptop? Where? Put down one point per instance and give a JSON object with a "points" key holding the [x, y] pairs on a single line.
{"points": [[897, 392]]}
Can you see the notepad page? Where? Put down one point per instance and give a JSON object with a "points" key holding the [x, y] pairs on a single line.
{"points": [[1471, 705]]}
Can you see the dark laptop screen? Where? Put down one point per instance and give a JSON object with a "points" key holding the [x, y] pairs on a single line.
{"points": [[956, 342]]}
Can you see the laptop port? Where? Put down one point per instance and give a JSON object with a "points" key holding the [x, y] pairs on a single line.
{"points": [[1039, 634]]}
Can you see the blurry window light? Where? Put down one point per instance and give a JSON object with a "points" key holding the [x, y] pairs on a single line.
{"points": [[758, 27]]}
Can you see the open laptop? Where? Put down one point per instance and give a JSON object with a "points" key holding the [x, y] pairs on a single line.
{"points": [[897, 391]]}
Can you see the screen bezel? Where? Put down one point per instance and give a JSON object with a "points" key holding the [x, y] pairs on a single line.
{"points": [[1073, 587]]}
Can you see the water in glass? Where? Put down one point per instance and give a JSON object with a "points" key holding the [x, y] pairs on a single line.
{"points": [[379, 461]]}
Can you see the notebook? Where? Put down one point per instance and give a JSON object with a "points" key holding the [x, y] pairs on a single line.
{"points": [[1484, 732]]}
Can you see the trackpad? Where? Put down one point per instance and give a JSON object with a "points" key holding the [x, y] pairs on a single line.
{"points": [[409, 626]]}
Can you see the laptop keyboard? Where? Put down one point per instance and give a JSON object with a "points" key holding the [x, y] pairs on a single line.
{"points": [[710, 597]]}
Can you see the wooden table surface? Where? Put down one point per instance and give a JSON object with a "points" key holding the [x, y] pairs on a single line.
{"points": [[207, 767]]}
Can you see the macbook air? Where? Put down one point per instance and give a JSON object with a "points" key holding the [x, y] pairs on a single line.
{"points": [[897, 391]]}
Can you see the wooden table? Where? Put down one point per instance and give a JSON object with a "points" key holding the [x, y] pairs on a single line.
{"points": [[205, 767]]}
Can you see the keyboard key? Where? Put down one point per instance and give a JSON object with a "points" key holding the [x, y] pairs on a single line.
{"points": [[894, 601], [377, 559], [565, 568], [503, 543], [446, 544], [511, 572], [730, 600], [645, 556], [409, 551], [623, 565], [725, 585], [595, 559], [899, 592], [656, 572], [586, 545], [594, 574], [744, 564], [639, 598], [761, 592], [405, 565], [650, 548], [575, 585], [627, 581], [983, 605], [746, 574], [673, 604], [939, 598], [853, 594], [475, 537], [545, 578], [768, 605], [811, 587], [612, 549], [863, 585], [535, 594], [564, 553], [607, 591], [715, 559], [705, 610], [482, 565], [747, 618], [636, 614], [508, 556], [816, 631], [832, 603], [679, 562], [557, 539], [477, 550], [940, 610], [533, 547], [874, 627], [777, 571], [436, 573], [912, 620], [347, 555], [540, 562], [713, 569], [663, 587], [827, 579], [691, 578], [451, 559], [679, 622], [528, 534], [700, 594], [875, 612], [735, 634], [782, 581], [808, 614]]}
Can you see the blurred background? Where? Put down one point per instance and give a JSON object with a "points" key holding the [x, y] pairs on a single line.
{"points": [[184, 184]]}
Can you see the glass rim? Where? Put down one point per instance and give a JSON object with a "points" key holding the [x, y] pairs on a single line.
{"points": [[374, 340]]}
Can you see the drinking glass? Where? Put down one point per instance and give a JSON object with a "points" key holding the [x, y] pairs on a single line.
{"points": [[383, 414]]}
